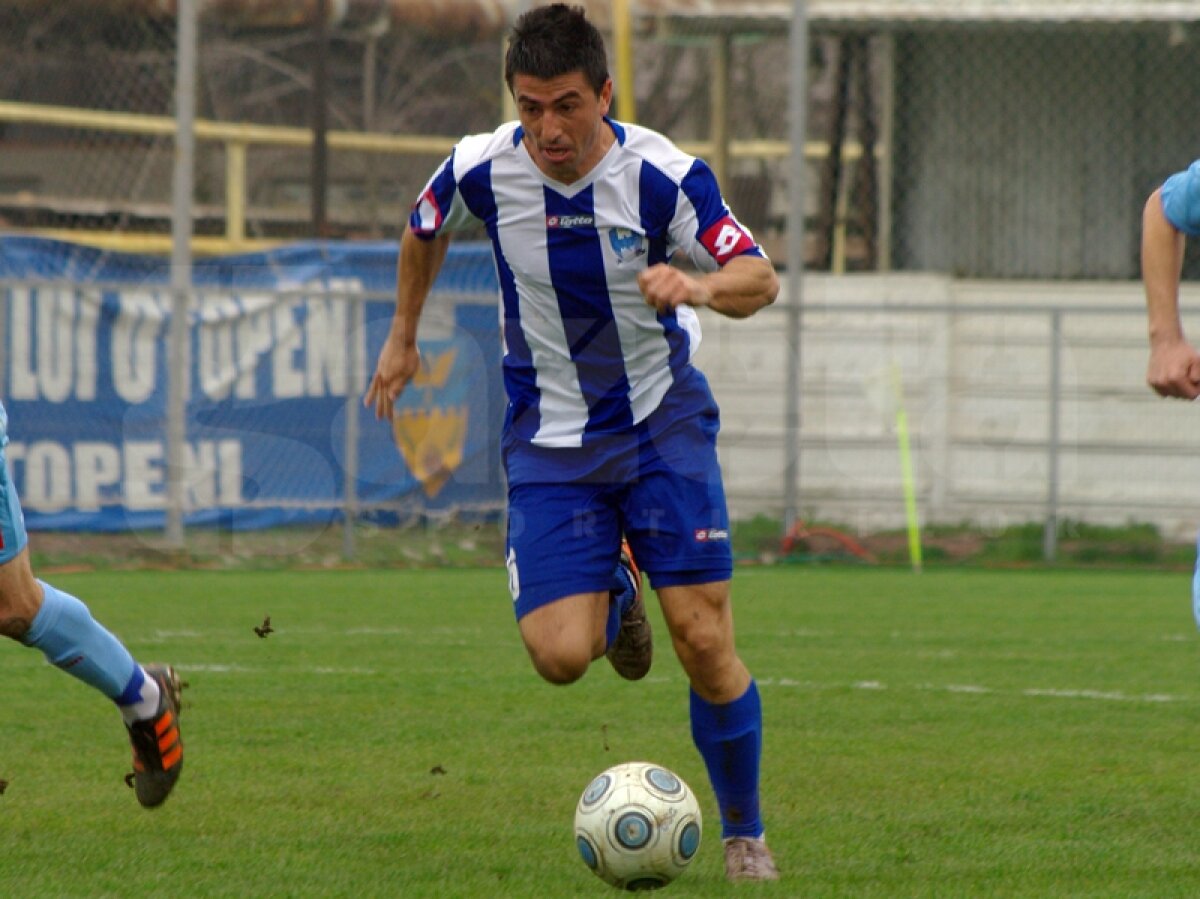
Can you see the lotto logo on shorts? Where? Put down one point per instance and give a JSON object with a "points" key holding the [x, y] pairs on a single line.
{"points": [[709, 535]]}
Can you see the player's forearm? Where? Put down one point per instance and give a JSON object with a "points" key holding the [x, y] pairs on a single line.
{"points": [[1162, 263], [745, 285], [420, 262]]}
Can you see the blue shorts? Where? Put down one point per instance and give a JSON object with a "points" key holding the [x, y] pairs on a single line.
{"points": [[12, 522], [662, 490]]}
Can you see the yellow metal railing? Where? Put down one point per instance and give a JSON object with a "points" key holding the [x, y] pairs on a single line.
{"points": [[239, 138]]}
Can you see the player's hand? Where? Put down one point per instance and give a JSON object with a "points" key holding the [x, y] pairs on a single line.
{"points": [[666, 287], [397, 365], [1174, 369]]}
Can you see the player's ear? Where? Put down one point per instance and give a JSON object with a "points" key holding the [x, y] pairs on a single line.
{"points": [[605, 96]]}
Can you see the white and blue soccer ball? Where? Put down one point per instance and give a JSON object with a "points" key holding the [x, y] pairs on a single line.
{"points": [[637, 826]]}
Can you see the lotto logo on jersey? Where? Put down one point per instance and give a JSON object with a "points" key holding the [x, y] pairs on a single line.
{"points": [[570, 221], [709, 535], [726, 239]]}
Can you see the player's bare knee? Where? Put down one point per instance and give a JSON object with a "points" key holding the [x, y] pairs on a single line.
{"points": [[560, 668], [711, 663], [705, 644], [558, 673], [20, 598]]}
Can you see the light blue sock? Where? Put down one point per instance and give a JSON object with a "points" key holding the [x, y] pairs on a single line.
{"points": [[1196, 586], [71, 639]]}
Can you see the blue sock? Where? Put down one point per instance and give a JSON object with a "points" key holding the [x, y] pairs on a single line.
{"points": [[621, 593], [71, 639], [729, 738]]}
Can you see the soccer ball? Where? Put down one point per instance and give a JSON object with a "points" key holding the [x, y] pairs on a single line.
{"points": [[637, 826]]}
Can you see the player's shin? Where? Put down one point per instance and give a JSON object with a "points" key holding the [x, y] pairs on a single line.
{"points": [[729, 737], [71, 639]]}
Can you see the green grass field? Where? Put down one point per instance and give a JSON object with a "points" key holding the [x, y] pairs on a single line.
{"points": [[957, 733]]}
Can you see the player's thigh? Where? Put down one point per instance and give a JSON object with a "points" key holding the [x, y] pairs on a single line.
{"points": [[563, 540], [20, 594], [700, 620], [567, 631], [699, 617], [12, 522]]}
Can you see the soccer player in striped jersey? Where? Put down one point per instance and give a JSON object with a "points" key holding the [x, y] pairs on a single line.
{"points": [[40, 616], [610, 431], [1171, 214]]}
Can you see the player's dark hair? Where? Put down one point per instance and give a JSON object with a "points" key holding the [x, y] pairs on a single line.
{"points": [[554, 40]]}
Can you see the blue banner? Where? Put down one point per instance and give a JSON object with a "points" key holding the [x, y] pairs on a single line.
{"points": [[273, 342]]}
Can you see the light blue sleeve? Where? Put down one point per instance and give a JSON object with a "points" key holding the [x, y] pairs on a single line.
{"points": [[1181, 200]]}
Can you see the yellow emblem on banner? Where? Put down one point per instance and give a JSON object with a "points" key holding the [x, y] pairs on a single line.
{"points": [[436, 372], [431, 437]]}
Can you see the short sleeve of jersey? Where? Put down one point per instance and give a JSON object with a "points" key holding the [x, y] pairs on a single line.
{"points": [[1181, 200], [440, 208], [703, 226]]}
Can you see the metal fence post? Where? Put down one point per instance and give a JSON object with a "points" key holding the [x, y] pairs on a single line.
{"points": [[355, 323], [178, 357], [5, 349], [797, 110], [1050, 534]]}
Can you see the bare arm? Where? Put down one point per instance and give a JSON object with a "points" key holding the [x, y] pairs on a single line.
{"points": [[1174, 368], [743, 286], [420, 262]]}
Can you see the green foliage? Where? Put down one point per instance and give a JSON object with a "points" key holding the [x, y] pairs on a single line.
{"points": [[458, 543], [962, 732], [1085, 544]]}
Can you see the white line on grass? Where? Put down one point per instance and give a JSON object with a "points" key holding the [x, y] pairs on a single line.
{"points": [[978, 689], [961, 688], [1105, 695], [788, 683], [185, 668], [165, 636]]}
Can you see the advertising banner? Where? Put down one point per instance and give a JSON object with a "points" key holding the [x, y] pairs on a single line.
{"points": [[280, 343]]}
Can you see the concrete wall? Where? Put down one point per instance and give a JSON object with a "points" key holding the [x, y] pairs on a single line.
{"points": [[1028, 153], [976, 372]]}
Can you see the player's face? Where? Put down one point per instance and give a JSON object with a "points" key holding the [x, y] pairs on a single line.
{"points": [[563, 118]]}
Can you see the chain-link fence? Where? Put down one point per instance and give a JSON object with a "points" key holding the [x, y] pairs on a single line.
{"points": [[64, 56], [1008, 141], [982, 144], [112, 171]]}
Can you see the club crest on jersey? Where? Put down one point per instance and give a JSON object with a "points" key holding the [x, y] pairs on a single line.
{"points": [[626, 244], [570, 221]]}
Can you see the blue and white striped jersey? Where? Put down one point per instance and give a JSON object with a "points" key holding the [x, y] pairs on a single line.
{"points": [[584, 355]]}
